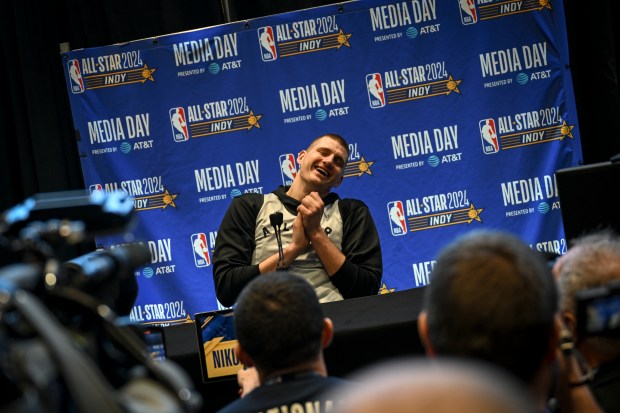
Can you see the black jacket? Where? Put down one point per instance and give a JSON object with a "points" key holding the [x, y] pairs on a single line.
{"points": [[245, 238]]}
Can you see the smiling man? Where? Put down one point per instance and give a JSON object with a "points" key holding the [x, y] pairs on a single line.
{"points": [[331, 242]]}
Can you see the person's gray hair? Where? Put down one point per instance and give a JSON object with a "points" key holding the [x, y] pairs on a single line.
{"points": [[593, 260], [438, 385]]}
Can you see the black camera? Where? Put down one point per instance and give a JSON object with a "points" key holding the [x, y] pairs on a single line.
{"points": [[598, 311], [64, 343]]}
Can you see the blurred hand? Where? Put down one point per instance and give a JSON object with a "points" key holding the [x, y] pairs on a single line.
{"points": [[248, 380]]}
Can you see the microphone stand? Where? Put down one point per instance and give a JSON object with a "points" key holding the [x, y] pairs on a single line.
{"points": [[276, 222]]}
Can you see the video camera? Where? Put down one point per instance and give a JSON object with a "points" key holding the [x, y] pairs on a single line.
{"points": [[598, 311], [64, 337]]}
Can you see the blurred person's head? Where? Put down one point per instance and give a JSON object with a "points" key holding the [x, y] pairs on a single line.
{"points": [[493, 298], [592, 261], [280, 325], [439, 385]]}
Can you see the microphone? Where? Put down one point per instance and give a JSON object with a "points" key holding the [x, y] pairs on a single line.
{"points": [[276, 220]]}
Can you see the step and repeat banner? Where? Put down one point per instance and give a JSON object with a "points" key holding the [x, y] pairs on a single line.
{"points": [[457, 114]]}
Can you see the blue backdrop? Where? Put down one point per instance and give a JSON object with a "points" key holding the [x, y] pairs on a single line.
{"points": [[457, 115]]}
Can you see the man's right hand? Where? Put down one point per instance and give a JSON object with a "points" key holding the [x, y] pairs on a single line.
{"points": [[300, 241]]}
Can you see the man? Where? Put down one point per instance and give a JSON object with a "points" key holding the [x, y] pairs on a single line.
{"points": [[281, 331], [592, 261], [493, 298], [332, 243]]}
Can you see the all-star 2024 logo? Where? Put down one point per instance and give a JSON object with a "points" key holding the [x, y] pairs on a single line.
{"points": [[410, 84], [119, 69], [148, 193], [212, 118], [301, 37], [472, 13], [432, 212], [521, 130]]}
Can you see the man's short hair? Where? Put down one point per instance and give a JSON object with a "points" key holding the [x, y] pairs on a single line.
{"points": [[493, 298], [341, 141], [279, 321]]}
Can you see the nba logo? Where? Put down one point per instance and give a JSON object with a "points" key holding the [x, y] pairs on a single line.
{"points": [[469, 14], [75, 76], [288, 168], [376, 95], [179, 126], [267, 44], [95, 188], [201, 251], [488, 135], [397, 218]]}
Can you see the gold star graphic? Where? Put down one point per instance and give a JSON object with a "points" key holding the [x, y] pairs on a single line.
{"points": [[474, 213], [169, 199], [385, 290], [452, 85], [364, 166], [147, 74], [253, 120], [343, 39], [566, 130], [544, 4]]}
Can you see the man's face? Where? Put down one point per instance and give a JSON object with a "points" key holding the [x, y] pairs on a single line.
{"points": [[322, 164]]}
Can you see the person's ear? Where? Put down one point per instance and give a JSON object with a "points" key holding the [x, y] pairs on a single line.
{"points": [[570, 322], [301, 155], [243, 357], [327, 334], [423, 334], [339, 181]]}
